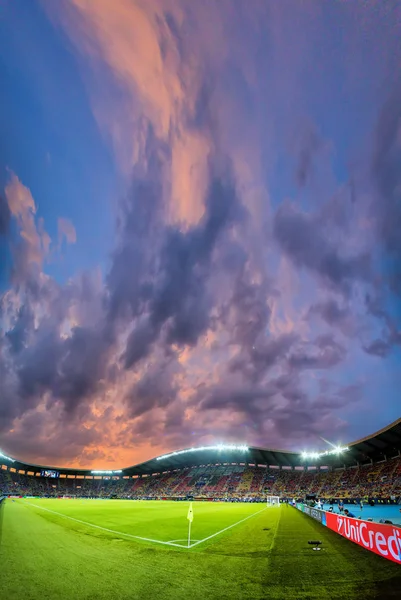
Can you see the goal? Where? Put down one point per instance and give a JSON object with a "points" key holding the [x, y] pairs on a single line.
{"points": [[273, 500]]}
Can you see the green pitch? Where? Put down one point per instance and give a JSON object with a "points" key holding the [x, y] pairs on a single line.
{"points": [[83, 549]]}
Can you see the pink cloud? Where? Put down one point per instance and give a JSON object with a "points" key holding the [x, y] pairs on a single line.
{"points": [[34, 245], [66, 231]]}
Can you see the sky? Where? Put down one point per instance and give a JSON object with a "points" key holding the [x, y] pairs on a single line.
{"points": [[200, 225]]}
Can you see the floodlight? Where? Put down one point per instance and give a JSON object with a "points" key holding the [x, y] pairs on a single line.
{"points": [[315, 455], [105, 472], [219, 448], [4, 457]]}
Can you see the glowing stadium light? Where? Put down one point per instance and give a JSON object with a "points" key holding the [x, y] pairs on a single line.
{"points": [[105, 472], [337, 450], [219, 448], [4, 457]]}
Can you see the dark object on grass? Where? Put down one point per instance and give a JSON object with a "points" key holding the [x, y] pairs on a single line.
{"points": [[316, 545]]}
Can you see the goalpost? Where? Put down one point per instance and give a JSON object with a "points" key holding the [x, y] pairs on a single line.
{"points": [[273, 500]]}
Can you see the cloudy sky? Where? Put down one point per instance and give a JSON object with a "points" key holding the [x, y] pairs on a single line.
{"points": [[200, 225]]}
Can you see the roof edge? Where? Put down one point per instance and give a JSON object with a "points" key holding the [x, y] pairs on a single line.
{"points": [[376, 433]]}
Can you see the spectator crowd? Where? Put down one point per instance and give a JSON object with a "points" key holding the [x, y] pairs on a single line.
{"points": [[381, 482]]}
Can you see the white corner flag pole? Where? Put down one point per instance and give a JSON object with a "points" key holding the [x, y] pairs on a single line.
{"points": [[190, 517]]}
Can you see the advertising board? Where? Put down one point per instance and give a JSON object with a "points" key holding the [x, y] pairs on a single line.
{"points": [[384, 540], [318, 515]]}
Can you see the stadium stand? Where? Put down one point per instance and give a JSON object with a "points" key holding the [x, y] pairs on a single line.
{"points": [[381, 482], [369, 470]]}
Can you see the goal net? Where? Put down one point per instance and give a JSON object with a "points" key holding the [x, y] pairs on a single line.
{"points": [[273, 500]]}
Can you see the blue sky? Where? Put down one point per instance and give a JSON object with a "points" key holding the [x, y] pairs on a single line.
{"points": [[52, 138]]}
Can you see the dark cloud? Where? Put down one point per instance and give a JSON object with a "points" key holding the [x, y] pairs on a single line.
{"points": [[338, 315], [386, 169], [324, 353], [9, 404], [129, 281], [246, 317], [5, 216], [330, 311], [249, 303], [391, 335], [306, 426], [303, 240], [69, 368], [310, 144], [50, 439], [81, 366], [238, 398], [37, 364], [279, 409], [139, 343], [5, 220], [174, 419], [234, 257], [253, 400], [262, 356], [40, 356], [17, 336], [154, 389], [179, 298], [305, 417], [379, 348]]}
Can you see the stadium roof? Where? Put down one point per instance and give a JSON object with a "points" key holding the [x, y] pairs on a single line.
{"points": [[382, 445]]}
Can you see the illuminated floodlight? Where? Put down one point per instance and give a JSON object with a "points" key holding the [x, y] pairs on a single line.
{"points": [[219, 448], [105, 472], [337, 450], [4, 457]]}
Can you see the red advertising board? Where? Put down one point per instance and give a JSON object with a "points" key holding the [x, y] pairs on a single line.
{"points": [[384, 540]]}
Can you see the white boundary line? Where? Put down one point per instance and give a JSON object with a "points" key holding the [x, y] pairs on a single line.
{"points": [[182, 540], [136, 537], [227, 528]]}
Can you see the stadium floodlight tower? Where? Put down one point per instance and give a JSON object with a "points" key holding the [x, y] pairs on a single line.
{"points": [[273, 500]]}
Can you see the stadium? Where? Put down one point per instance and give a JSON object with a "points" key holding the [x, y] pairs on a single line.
{"points": [[200, 283], [226, 521]]}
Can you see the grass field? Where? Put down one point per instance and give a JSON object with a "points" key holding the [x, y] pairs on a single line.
{"points": [[83, 549]]}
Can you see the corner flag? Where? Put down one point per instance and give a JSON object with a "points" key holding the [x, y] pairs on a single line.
{"points": [[190, 515]]}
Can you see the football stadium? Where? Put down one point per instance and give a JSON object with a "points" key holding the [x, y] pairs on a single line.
{"points": [[209, 522], [200, 299]]}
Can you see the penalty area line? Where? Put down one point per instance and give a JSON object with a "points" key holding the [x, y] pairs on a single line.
{"points": [[226, 528], [136, 537]]}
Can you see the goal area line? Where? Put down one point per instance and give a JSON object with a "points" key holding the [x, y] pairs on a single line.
{"points": [[144, 539]]}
